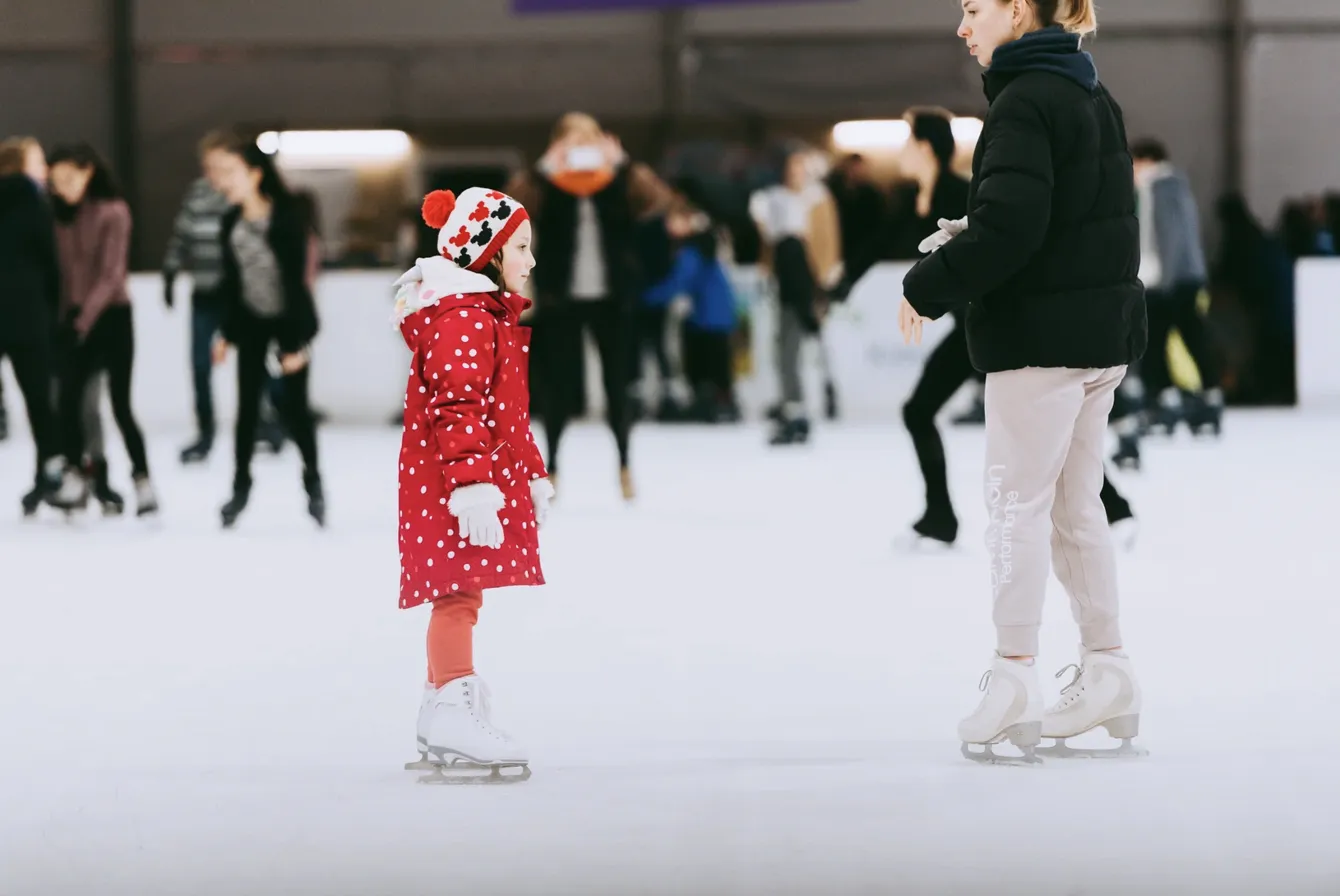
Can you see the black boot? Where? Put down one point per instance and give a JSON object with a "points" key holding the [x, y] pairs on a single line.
{"points": [[1128, 452], [110, 499], [198, 450], [830, 402], [1205, 412], [45, 485], [237, 503], [316, 496], [938, 525], [791, 432]]}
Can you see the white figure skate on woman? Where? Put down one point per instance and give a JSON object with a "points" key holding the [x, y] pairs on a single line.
{"points": [[1103, 693]]}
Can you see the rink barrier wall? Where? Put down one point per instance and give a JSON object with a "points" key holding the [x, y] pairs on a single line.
{"points": [[359, 360]]}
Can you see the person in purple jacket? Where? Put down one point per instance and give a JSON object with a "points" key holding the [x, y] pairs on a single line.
{"points": [[93, 242]]}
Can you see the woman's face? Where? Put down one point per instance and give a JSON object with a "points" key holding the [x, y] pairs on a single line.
{"points": [[797, 171], [70, 182], [917, 159], [35, 164], [517, 259], [989, 23], [236, 181]]}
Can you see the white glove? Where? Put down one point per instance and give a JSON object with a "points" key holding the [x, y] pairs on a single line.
{"points": [[948, 230], [541, 493], [476, 509]]}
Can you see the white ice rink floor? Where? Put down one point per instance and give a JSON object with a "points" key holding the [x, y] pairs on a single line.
{"points": [[734, 686]]}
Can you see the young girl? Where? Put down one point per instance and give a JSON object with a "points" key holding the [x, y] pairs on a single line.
{"points": [[93, 237], [266, 302], [1046, 268], [473, 488]]}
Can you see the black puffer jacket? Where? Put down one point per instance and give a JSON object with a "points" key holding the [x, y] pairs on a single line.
{"points": [[29, 269], [1048, 266]]}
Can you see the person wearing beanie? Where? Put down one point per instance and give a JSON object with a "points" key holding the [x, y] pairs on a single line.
{"points": [[473, 486]]}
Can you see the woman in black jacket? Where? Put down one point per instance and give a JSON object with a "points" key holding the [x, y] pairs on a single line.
{"points": [[267, 304], [1046, 268], [29, 296]]}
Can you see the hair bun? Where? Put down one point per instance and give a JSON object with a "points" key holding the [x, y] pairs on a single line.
{"points": [[437, 207]]}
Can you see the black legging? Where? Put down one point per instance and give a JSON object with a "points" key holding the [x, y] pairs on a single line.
{"points": [[109, 346], [708, 361], [294, 410], [1166, 311], [33, 369], [561, 337], [946, 369]]}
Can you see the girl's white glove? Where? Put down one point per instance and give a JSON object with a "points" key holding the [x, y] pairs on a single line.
{"points": [[541, 493], [476, 509], [948, 230]]}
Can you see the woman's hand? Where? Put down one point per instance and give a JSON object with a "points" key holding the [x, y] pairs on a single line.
{"points": [[291, 364], [909, 322], [220, 352]]}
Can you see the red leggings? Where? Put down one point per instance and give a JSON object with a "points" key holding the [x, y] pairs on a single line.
{"points": [[451, 631]]}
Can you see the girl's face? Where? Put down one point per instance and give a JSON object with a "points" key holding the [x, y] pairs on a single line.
{"points": [[517, 259], [70, 182], [989, 23], [236, 181], [679, 225], [35, 164], [797, 172]]}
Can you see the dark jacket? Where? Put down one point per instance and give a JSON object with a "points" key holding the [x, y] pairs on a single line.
{"points": [[949, 200], [29, 266], [556, 240], [1048, 266], [288, 238]]}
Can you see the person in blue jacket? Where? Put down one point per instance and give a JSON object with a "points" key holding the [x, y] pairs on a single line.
{"points": [[706, 335]]}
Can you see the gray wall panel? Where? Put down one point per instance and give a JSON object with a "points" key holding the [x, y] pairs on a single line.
{"points": [[35, 24]]}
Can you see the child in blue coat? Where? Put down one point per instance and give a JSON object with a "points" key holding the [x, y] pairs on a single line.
{"points": [[697, 273]]}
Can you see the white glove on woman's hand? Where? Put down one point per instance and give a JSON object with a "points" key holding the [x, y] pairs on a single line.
{"points": [[948, 230], [476, 509], [541, 493]]}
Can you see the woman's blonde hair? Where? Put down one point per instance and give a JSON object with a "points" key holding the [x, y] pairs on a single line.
{"points": [[14, 154], [1076, 16], [576, 123]]}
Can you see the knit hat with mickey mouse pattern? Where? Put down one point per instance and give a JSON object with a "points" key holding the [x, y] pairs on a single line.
{"points": [[472, 227]]}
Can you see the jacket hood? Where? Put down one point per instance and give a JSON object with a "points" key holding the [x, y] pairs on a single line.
{"points": [[438, 285], [1052, 50]]}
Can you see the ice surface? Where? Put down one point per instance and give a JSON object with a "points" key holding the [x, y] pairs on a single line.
{"points": [[732, 687]]}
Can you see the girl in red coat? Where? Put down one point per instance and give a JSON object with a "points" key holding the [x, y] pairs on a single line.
{"points": [[473, 488]]}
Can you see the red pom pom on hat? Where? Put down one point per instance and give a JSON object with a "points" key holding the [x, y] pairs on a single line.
{"points": [[437, 207]]}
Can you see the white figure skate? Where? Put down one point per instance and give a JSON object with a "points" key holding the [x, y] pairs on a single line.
{"points": [[457, 741], [1011, 710], [1103, 693]]}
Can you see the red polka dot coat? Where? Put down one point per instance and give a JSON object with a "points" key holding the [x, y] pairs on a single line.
{"points": [[467, 421]]}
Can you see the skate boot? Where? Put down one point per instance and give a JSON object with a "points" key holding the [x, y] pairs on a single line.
{"points": [[316, 496], [792, 428], [1164, 418], [935, 532], [1205, 413], [974, 414], [457, 737], [73, 492], [830, 402], [1011, 710], [1104, 693], [146, 502], [109, 498], [45, 485], [198, 451], [237, 503], [1127, 456]]}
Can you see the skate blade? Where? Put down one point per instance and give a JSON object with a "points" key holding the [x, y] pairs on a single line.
{"points": [[470, 774], [988, 756], [917, 544], [1059, 749]]}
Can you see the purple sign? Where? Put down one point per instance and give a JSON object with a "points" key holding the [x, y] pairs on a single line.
{"points": [[524, 6]]}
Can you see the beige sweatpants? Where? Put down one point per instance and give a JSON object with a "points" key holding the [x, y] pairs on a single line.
{"points": [[1044, 472]]}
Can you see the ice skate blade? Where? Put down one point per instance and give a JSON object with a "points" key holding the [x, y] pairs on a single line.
{"points": [[914, 543], [1025, 736], [469, 773], [1059, 749]]}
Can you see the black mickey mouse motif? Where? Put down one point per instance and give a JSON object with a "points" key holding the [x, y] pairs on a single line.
{"points": [[464, 259], [485, 235], [502, 211]]}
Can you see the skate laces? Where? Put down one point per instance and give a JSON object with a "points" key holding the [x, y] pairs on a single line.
{"points": [[1069, 692], [985, 682]]}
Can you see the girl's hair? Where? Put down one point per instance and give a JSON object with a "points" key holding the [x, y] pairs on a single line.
{"points": [[272, 185], [1076, 16], [102, 185], [14, 154], [932, 125]]}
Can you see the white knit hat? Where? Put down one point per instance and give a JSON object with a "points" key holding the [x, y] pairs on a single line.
{"points": [[472, 227]]}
